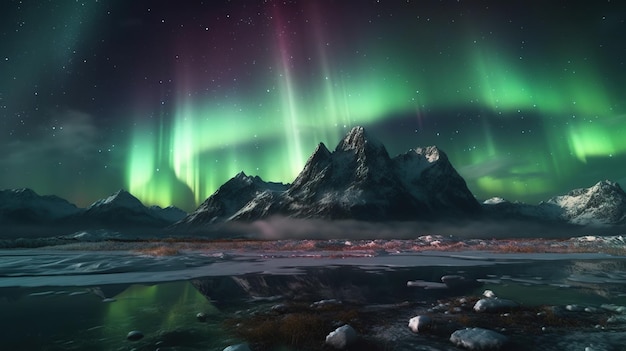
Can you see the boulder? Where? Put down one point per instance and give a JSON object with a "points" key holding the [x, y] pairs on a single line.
{"points": [[342, 337], [478, 339], [420, 323], [494, 305]]}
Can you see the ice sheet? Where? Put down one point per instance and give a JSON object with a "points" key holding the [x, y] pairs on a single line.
{"points": [[52, 267]]}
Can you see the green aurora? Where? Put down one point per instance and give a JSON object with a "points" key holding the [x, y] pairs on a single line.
{"points": [[169, 102]]}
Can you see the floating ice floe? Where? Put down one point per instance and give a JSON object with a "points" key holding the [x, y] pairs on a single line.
{"points": [[341, 337], [478, 339], [494, 305]]}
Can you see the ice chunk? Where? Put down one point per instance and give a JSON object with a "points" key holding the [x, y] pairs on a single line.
{"points": [[420, 323], [341, 337], [494, 305], [478, 339], [489, 293]]}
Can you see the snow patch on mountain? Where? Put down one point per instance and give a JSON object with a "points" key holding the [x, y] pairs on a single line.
{"points": [[599, 205], [602, 204], [238, 196], [495, 200], [120, 199]]}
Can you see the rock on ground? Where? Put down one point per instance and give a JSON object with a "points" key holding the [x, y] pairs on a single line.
{"points": [[341, 337], [420, 323], [494, 305], [478, 339]]}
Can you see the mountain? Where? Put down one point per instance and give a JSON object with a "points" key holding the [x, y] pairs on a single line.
{"points": [[428, 175], [230, 198], [23, 212], [122, 210], [602, 204], [358, 180], [599, 205], [25, 207], [170, 213]]}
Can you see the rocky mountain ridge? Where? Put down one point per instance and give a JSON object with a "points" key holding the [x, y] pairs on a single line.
{"points": [[23, 210], [599, 205], [357, 180]]}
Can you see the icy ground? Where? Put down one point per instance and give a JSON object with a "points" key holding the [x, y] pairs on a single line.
{"points": [[110, 262], [207, 295]]}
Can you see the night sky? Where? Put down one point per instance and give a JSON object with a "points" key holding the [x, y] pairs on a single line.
{"points": [[170, 99]]}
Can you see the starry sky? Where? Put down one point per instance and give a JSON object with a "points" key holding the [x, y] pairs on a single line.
{"points": [[170, 99]]}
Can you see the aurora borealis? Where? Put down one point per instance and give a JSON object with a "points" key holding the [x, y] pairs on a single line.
{"points": [[171, 99]]}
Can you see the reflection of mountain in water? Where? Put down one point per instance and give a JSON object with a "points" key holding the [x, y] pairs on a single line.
{"points": [[371, 285]]}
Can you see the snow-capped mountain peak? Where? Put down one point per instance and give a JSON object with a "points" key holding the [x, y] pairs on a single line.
{"points": [[230, 198], [358, 180], [121, 198], [430, 153], [357, 138], [495, 200], [601, 204]]}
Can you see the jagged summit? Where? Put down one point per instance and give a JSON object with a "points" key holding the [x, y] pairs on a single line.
{"points": [[314, 167], [241, 176], [430, 153], [357, 138], [358, 180]]}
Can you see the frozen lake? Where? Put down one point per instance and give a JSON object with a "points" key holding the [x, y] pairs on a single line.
{"points": [[72, 299]]}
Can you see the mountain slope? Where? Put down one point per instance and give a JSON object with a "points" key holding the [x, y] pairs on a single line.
{"points": [[121, 210], [24, 206], [355, 181], [429, 176], [602, 204], [599, 205], [230, 198]]}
